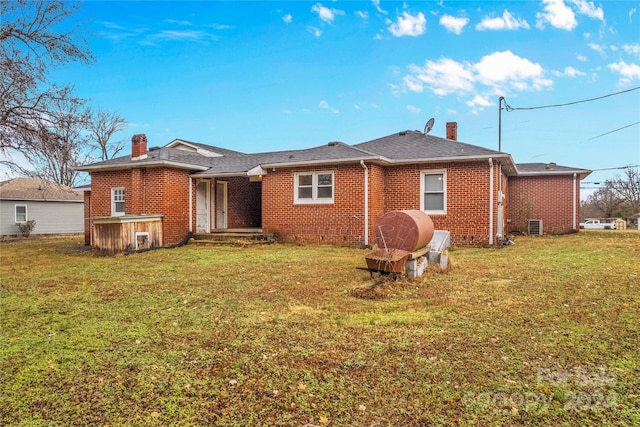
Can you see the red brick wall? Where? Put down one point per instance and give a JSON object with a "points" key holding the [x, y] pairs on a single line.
{"points": [[243, 202], [390, 189], [467, 217], [549, 198], [147, 191], [340, 223], [376, 198], [87, 218]]}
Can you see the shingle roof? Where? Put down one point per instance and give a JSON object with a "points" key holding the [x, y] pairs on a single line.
{"points": [[400, 147], [548, 168], [416, 145], [38, 189]]}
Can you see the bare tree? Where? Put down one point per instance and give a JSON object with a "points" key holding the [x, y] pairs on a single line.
{"points": [[35, 37], [603, 202], [627, 188], [59, 145], [101, 127]]}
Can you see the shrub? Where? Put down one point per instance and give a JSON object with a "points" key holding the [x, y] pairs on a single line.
{"points": [[27, 227]]}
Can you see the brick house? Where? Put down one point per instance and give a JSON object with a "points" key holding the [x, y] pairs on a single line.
{"points": [[332, 194]]}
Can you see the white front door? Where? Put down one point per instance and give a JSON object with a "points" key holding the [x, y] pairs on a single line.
{"points": [[221, 204], [203, 201]]}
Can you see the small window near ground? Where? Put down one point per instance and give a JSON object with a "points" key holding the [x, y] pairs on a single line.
{"points": [[21, 213], [313, 187], [142, 240], [433, 190], [117, 201]]}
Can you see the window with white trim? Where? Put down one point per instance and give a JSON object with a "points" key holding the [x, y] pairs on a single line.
{"points": [[433, 191], [21, 213], [117, 201], [313, 187]]}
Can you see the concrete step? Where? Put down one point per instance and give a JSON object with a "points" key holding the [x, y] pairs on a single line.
{"points": [[233, 237]]}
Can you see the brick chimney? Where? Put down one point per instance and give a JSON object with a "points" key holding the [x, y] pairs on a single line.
{"points": [[139, 147], [452, 131]]}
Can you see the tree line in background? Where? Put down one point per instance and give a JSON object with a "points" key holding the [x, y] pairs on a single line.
{"points": [[617, 198], [40, 120]]}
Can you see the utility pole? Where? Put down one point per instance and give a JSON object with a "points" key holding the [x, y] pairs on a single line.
{"points": [[500, 123]]}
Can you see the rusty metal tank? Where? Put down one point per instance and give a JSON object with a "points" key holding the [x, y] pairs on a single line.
{"points": [[407, 230]]}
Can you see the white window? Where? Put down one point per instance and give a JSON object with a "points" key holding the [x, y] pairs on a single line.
{"points": [[433, 191], [117, 201], [313, 187], [21, 213]]}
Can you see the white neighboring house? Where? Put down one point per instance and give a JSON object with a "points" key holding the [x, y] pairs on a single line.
{"points": [[56, 209]]}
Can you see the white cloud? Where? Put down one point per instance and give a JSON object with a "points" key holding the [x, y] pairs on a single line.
{"points": [[174, 21], [222, 27], [598, 48], [363, 15], [315, 31], [497, 73], [631, 13], [504, 70], [376, 3], [184, 35], [589, 9], [628, 72], [557, 14], [326, 14], [414, 109], [479, 101], [408, 25], [287, 18], [325, 105], [569, 72], [631, 48], [581, 58], [442, 77], [506, 22], [453, 24]]}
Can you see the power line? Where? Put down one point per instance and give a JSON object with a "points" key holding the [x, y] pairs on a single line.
{"points": [[612, 131], [616, 168], [510, 108]]}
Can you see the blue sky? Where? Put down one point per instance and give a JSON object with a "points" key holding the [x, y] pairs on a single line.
{"points": [[275, 75]]}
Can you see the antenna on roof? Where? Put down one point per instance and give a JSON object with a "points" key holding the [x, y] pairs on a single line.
{"points": [[429, 125]]}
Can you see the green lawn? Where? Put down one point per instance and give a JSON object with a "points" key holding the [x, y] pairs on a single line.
{"points": [[545, 332]]}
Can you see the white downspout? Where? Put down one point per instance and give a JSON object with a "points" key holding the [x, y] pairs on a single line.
{"points": [[574, 202], [500, 230], [90, 220], [190, 204], [366, 202], [490, 201]]}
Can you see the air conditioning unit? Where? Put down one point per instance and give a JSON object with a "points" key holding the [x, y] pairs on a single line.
{"points": [[534, 227]]}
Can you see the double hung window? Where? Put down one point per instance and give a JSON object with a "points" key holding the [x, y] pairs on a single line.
{"points": [[433, 191], [313, 187]]}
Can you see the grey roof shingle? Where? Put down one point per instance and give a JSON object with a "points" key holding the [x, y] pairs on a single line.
{"points": [[547, 168], [416, 145], [38, 189], [400, 147]]}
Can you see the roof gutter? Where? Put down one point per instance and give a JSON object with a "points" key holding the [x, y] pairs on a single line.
{"points": [[583, 173], [385, 161], [134, 165], [319, 162]]}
